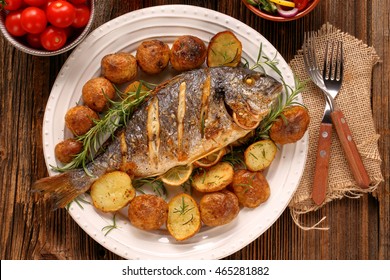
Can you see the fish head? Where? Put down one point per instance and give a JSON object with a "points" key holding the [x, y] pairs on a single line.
{"points": [[249, 94]]}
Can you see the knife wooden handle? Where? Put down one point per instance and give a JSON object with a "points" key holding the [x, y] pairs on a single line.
{"points": [[320, 183], [351, 152]]}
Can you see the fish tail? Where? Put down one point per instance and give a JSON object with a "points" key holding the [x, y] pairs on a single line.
{"points": [[63, 188]]}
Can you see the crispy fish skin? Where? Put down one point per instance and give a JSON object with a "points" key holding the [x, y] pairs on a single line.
{"points": [[185, 119]]}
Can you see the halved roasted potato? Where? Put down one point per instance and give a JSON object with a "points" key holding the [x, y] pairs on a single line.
{"points": [[224, 50], [260, 155], [112, 191], [213, 179], [183, 217]]}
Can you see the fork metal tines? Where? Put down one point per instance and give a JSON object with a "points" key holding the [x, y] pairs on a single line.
{"points": [[311, 65], [333, 62], [310, 58]]}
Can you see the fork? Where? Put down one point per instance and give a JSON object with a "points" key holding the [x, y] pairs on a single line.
{"points": [[333, 79], [320, 183]]}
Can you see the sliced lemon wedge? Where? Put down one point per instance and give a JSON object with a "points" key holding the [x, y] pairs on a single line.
{"points": [[246, 122], [177, 176], [211, 159]]}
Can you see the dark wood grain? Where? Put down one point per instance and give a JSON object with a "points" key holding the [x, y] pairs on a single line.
{"points": [[359, 228]]}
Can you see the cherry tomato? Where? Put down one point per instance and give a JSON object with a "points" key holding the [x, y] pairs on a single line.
{"points": [[76, 2], [13, 25], [53, 38], [34, 40], [44, 7], [300, 4], [60, 13], [35, 3], [12, 5], [82, 16], [33, 20]]}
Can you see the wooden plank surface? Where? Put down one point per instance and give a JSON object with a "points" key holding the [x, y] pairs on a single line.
{"points": [[359, 228]]}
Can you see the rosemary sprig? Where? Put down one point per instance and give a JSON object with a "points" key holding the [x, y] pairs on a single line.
{"points": [[286, 99], [235, 159], [153, 182], [116, 116], [79, 200], [109, 228]]}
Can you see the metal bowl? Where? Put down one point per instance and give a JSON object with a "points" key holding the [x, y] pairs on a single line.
{"points": [[311, 5], [20, 44]]}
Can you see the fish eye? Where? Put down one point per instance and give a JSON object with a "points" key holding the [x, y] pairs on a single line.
{"points": [[249, 80]]}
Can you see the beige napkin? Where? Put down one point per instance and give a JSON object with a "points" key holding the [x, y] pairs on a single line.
{"points": [[354, 101]]}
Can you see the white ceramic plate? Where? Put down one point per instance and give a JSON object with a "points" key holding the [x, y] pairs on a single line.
{"points": [[125, 33]]}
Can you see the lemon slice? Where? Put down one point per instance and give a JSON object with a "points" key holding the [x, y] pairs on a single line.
{"points": [[284, 3], [247, 123], [177, 176], [211, 159]]}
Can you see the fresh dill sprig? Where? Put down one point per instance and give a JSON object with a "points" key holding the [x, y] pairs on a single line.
{"points": [[109, 228], [116, 116]]}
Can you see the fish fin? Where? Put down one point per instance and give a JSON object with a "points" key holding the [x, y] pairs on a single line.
{"points": [[62, 188]]}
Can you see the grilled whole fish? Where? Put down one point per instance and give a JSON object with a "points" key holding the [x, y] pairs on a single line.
{"points": [[185, 119]]}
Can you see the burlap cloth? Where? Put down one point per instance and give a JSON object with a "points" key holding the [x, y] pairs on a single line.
{"points": [[354, 101]]}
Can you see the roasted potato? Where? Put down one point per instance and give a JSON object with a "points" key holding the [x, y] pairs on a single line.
{"points": [[259, 155], [291, 126], [119, 67], [218, 208], [251, 188], [224, 49], [96, 93], [80, 119], [66, 150], [183, 217], [148, 212], [153, 56], [112, 191], [214, 178], [187, 52]]}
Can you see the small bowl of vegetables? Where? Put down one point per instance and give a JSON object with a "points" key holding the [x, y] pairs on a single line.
{"points": [[281, 10], [45, 27]]}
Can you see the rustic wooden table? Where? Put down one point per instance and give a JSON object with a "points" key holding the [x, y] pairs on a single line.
{"points": [[359, 228]]}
